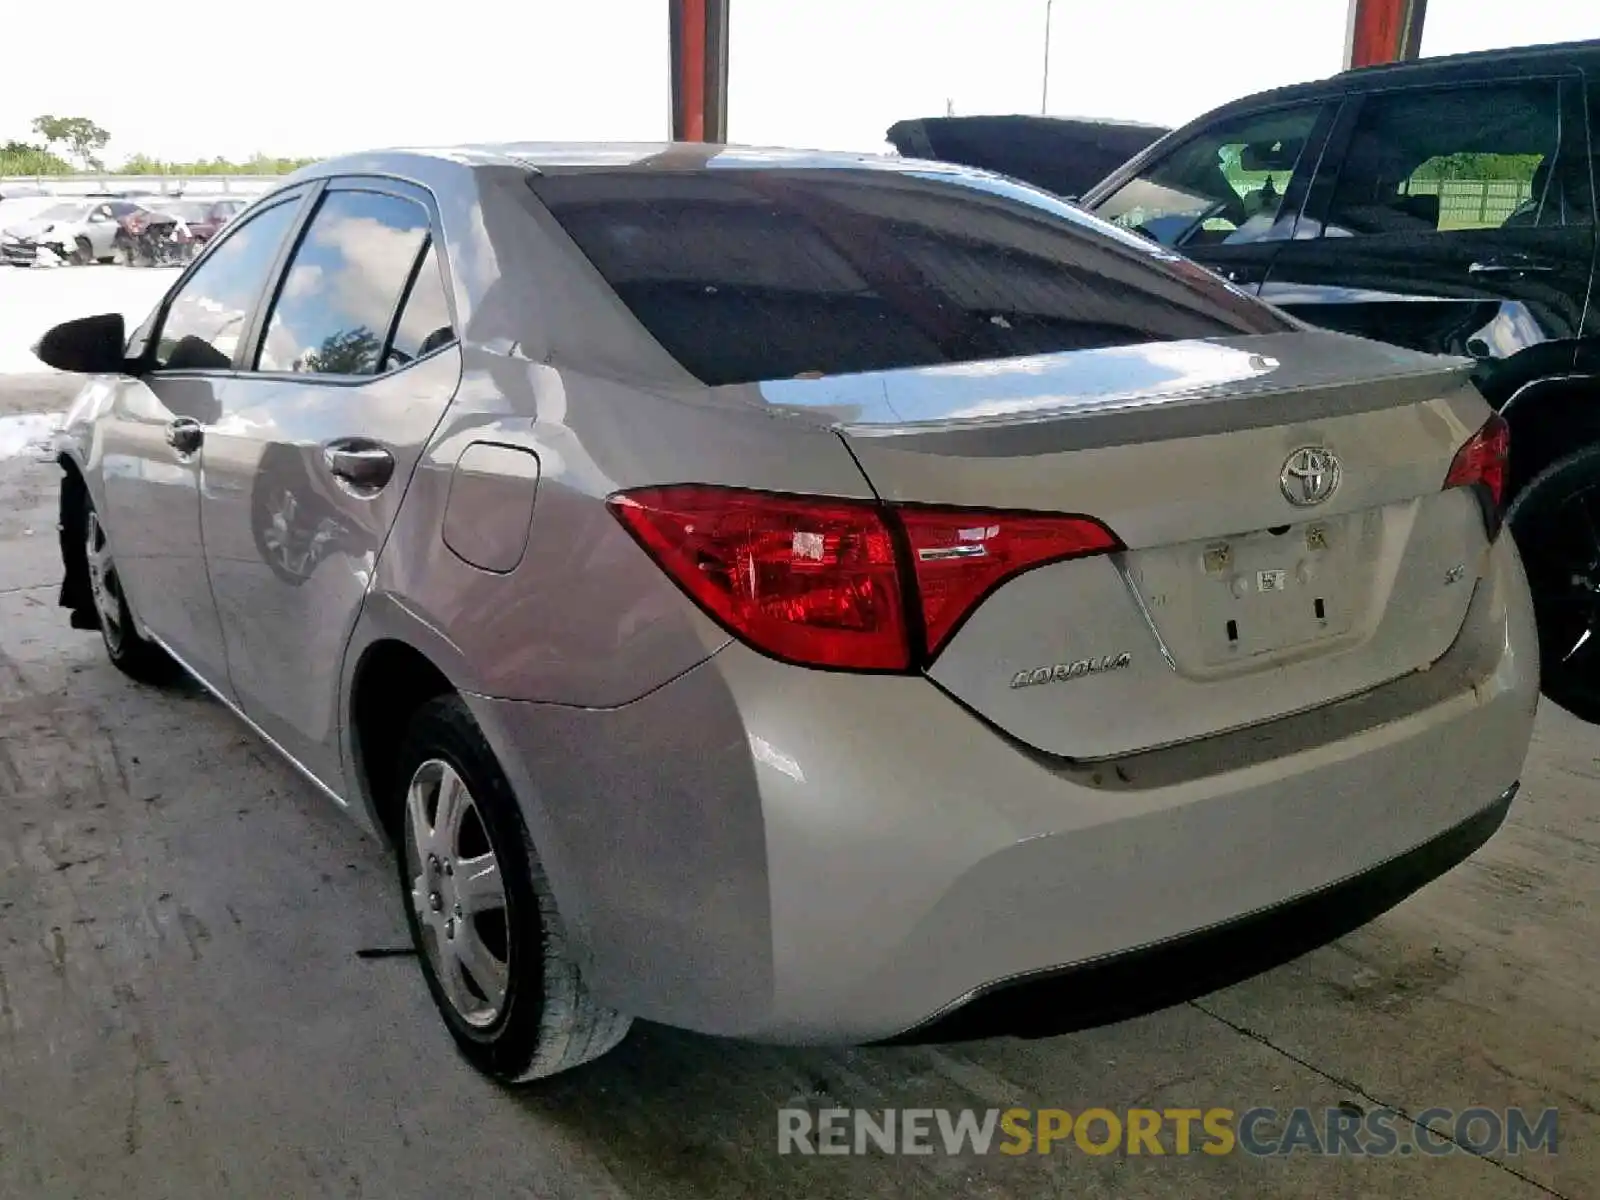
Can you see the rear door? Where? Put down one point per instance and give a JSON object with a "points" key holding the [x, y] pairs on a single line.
{"points": [[1456, 220], [1228, 195], [354, 363]]}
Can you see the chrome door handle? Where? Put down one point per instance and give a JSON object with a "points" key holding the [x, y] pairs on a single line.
{"points": [[359, 463], [185, 434], [1508, 267]]}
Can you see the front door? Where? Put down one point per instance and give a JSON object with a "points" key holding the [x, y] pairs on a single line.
{"points": [[307, 462], [1453, 220], [152, 450]]}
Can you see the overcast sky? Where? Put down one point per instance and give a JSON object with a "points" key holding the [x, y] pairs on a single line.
{"points": [[316, 77]]}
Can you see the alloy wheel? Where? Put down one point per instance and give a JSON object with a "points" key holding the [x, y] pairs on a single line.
{"points": [[458, 893], [104, 586]]}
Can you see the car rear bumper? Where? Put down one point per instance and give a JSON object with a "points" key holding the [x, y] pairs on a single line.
{"points": [[1046, 1003], [802, 856]]}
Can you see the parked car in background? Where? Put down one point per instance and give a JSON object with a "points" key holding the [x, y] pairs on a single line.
{"points": [[1446, 205], [74, 231], [172, 231], [16, 209], [1060, 154], [803, 597], [204, 215]]}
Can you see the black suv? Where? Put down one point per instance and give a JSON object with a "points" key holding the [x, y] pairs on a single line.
{"points": [[1447, 205]]}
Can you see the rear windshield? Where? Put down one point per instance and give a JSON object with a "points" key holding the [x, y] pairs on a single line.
{"points": [[750, 275]]}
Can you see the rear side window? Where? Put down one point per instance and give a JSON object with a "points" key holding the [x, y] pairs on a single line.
{"points": [[747, 275], [1452, 159], [344, 284], [423, 325]]}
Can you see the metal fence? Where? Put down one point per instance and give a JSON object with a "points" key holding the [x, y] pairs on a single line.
{"points": [[161, 185], [1474, 203]]}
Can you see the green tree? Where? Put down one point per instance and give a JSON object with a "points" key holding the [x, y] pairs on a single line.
{"points": [[81, 137], [258, 164], [22, 158], [348, 352]]}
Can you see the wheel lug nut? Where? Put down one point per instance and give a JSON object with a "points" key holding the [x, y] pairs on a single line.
{"points": [[435, 901], [449, 868], [450, 929], [433, 863]]}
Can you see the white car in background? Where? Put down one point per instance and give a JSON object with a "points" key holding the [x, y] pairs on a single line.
{"points": [[20, 207], [76, 231]]}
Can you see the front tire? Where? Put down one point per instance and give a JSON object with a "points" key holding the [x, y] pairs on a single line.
{"points": [[1555, 521], [131, 654], [493, 947]]}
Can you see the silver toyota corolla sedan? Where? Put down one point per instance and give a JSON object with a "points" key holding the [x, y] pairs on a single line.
{"points": [[803, 597]]}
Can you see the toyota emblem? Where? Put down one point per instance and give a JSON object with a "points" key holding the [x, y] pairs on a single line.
{"points": [[1309, 476]]}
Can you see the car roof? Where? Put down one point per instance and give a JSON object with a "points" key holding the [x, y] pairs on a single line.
{"points": [[554, 158], [1475, 66]]}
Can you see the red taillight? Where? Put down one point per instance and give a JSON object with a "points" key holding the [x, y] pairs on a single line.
{"points": [[961, 555], [808, 581], [820, 582], [1481, 462]]}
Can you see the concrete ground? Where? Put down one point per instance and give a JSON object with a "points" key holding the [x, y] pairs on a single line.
{"points": [[185, 1010]]}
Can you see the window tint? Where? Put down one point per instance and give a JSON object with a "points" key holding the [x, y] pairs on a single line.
{"points": [[748, 275], [1224, 186], [343, 285], [207, 315], [1466, 158], [424, 323]]}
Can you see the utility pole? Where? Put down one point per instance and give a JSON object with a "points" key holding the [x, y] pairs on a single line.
{"points": [[1044, 100]]}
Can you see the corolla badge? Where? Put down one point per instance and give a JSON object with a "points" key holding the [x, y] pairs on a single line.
{"points": [[1065, 672], [1310, 475]]}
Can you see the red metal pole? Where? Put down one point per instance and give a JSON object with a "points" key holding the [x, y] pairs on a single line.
{"points": [[692, 75], [699, 31], [1383, 31]]}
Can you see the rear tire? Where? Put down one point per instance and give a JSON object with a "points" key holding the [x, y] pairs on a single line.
{"points": [[1555, 521], [82, 253], [131, 654], [530, 1015]]}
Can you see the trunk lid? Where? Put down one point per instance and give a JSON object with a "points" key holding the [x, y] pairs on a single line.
{"points": [[1231, 603]]}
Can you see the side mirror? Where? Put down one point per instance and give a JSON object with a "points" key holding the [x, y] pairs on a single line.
{"points": [[85, 346]]}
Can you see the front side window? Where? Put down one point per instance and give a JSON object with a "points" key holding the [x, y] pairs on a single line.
{"points": [[207, 315], [752, 275], [343, 285], [1224, 186], [1458, 159]]}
